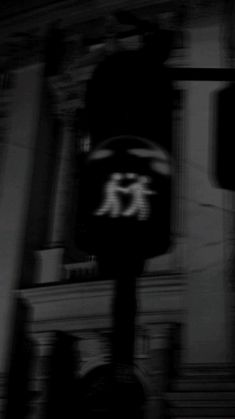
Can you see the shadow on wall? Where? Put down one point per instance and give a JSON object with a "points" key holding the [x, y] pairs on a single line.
{"points": [[22, 355]]}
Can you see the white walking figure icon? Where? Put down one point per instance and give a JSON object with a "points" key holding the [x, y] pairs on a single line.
{"points": [[111, 203], [139, 205], [138, 189]]}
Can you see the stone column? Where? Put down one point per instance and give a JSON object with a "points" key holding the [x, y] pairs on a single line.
{"points": [[15, 181], [206, 339], [62, 184], [157, 367], [49, 261], [44, 342]]}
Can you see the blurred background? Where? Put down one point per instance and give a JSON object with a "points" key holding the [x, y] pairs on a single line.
{"points": [[72, 75]]}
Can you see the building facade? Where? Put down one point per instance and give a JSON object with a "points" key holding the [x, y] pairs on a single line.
{"points": [[184, 324]]}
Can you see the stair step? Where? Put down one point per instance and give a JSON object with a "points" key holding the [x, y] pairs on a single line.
{"points": [[201, 396], [202, 417], [191, 385], [225, 404], [201, 404], [200, 412]]}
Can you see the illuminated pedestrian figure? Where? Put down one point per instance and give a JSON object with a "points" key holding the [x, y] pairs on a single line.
{"points": [[139, 205], [112, 204], [138, 189]]}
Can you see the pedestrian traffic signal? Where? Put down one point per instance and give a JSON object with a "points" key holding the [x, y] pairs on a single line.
{"points": [[125, 196], [125, 187]]}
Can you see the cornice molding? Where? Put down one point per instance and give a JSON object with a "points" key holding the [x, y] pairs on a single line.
{"points": [[198, 370], [84, 24], [80, 12], [83, 306], [146, 284], [26, 30], [74, 14]]}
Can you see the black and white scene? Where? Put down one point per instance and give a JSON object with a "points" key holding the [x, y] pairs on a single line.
{"points": [[117, 209]]}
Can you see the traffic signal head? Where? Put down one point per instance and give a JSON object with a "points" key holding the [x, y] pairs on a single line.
{"points": [[125, 195]]}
